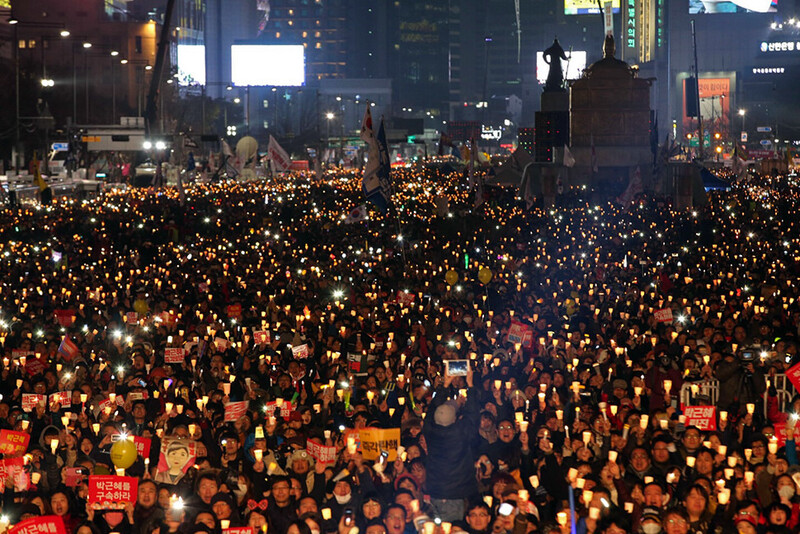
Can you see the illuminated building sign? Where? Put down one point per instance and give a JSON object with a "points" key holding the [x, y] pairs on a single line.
{"points": [[780, 46], [630, 27], [489, 133], [768, 70]]}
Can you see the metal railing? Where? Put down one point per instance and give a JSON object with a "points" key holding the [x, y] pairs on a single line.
{"points": [[704, 392]]}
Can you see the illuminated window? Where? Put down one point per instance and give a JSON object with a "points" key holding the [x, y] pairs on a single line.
{"points": [[305, 34], [317, 23], [319, 45], [32, 43], [317, 34], [277, 35], [291, 22], [23, 43]]}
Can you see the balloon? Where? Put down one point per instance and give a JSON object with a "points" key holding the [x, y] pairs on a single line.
{"points": [[485, 275], [451, 276], [123, 453], [246, 148]]}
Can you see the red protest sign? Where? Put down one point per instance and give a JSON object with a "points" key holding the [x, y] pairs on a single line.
{"points": [[321, 453], [46, 524], [780, 433], [34, 366], [64, 398], [234, 311], [13, 443], [173, 355], [300, 352], [235, 410], [131, 317], [65, 317], [663, 316], [238, 530], [110, 492], [405, 299], [30, 400], [284, 411], [703, 417], [793, 374], [15, 468], [262, 337]]}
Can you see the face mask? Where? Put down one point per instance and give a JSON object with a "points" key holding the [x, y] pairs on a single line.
{"points": [[652, 528], [342, 499], [786, 492]]}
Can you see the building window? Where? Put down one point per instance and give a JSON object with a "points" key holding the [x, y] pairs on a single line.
{"points": [[265, 103], [277, 35], [138, 44], [23, 43], [319, 45]]}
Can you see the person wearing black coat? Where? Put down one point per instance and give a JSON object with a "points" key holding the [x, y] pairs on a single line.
{"points": [[451, 435]]}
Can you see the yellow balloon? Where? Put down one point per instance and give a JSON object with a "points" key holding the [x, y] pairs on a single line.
{"points": [[451, 276], [485, 275], [123, 453]]}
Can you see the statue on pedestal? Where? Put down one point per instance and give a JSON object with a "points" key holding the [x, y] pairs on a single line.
{"points": [[555, 77]]}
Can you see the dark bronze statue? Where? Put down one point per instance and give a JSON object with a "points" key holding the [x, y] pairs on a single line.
{"points": [[555, 77]]}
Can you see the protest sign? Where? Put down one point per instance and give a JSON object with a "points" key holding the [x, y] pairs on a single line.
{"points": [[15, 468], [663, 316], [13, 443], [111, 492], [793, 374], [300, 352], [375, 440], [45, 524], [520, 333], [238, 530], [261, 337], [703, 417], [173, 355], [284, 411], [176, 457], [30, 400], [234, 410], [321, 453], [234, 311], [63, 398]]}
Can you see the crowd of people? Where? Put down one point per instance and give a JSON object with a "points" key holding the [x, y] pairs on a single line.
{"points": [[526, 370]]}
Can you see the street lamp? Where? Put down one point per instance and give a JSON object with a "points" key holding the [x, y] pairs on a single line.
{"points": [[741, 114]]}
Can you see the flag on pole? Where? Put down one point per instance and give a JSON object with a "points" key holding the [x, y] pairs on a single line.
{"points": [[376, 182], [569, 160], [68, 348], [357, 214], [633, 190], [278, 157], [232, 166]]}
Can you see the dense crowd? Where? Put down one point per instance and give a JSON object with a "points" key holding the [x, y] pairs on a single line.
{"points": [[307, 390]]}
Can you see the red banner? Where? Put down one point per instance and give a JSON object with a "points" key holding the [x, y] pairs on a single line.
{"points": [[235, 410], [46, 524], [703, 417], [780, 433], [13, 443], [238, 530], [173, 355], [110, 492], [321, 453], [234, 311]]}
